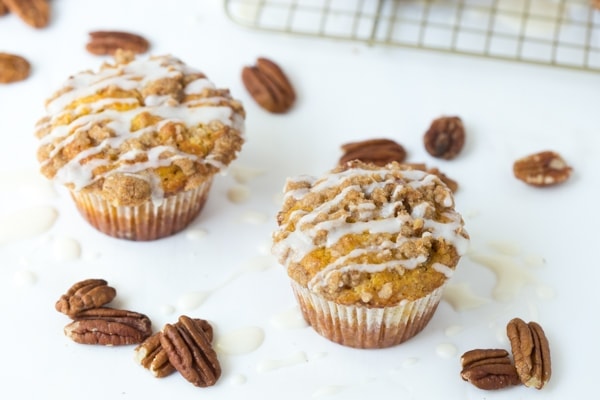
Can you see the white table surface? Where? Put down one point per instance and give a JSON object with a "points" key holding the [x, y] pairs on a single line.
{"points": [[346, 91]]}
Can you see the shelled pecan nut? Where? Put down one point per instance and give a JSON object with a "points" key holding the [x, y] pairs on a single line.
{"points": [[269, 86], [3, 9], [445, 137], [35, 13], [13, 68], [109, 326], [190, 351], [488, 369], [108, 42], [151, 355], [545, 168], [83, 295], [531, 352], [451, 183], [375, 151]]}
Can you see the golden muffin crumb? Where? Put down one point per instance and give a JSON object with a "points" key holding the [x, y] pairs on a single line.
{"points": [[138, 130], [364, 234]]}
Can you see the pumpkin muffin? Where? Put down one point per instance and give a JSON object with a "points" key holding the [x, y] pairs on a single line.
{"points": [[137, 143], [369, 250]]}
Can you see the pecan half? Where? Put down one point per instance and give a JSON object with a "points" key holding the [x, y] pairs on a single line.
{"points": [[190, 352], [269, 86], [3, 8], [108, 42], [89, 293], [35, 13], [451, 183], [445, 137], [375, 151], [151, 355], [488, 369], [109, 326], [13, 68], [531, 352], [545, 168]]}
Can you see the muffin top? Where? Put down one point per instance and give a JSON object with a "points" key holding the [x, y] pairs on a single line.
{"points": [[138, 130], [369, 235]]}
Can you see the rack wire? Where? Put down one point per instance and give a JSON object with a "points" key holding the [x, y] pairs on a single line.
{"points": [[560, 33]]}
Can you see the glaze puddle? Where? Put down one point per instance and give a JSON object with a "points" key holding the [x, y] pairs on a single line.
{"points": [[194, 299], [289, 319], [461, 297], [65, 249], [510, 276], [26, 223], [241, 341], [294, 359]]}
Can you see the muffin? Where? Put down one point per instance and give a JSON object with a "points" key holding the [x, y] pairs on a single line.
{"points": [[368, 250], [138, 142]]}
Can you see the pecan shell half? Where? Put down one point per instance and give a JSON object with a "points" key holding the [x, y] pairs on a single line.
{"points": [[13, 68], [35, 13], [374, 151], [108, 42], [545, 168], [109, 326], [445, 137], [531, 352], [451, 183], [152, 356], [488, 369], [269, 86], [89, 293], [3, 9], [190, 351]]}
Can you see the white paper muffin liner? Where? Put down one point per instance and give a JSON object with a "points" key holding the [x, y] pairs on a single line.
{"points": [[144, 222], [363, 327]]}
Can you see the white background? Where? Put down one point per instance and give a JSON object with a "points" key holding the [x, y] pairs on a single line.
{"points": [[346, 91]]}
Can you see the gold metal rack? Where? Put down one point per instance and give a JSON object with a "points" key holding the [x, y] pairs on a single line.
{"points": [[561, 33]]}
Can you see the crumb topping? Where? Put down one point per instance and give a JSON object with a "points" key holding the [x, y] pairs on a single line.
{"points": [[139, 129], [369, 234]]}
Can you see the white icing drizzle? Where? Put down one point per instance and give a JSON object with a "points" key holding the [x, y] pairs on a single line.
{"points": [[372, 219], [443, 269], [132, 76]]}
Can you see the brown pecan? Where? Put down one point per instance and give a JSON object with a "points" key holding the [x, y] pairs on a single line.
{"points": [[542, 169], [269, 86], [487, 356], [531, 352], [190, 352], [35, 13], [445, 137], [89, 293], [13, 68], [374, 151], [108, 42], [151, 355], [451, 183], [488, 369], [109, 326], [3, 8]]}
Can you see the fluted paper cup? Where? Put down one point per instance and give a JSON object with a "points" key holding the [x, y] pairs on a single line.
{"points": [[364, 327], [145, 222]]}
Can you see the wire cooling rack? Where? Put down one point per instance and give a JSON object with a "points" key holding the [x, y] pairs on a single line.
{"points": [[561, 33]]}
